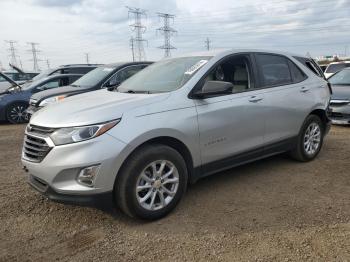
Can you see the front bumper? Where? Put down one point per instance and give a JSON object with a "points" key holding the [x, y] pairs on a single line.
{"points": [[59, 170], [104, 200]]}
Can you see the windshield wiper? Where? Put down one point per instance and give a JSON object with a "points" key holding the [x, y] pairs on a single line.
{"points": [[130, 91], [75, 85]]}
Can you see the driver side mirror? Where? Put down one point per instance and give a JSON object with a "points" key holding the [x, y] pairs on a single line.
{"points": [[112, 84], [214, 88]]}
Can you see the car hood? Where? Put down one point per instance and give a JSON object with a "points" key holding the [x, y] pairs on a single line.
{"points": [[58, 91], [341, 91], [91, 108]]}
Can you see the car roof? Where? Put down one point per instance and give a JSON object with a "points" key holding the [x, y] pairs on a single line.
{"points": [[120, 64], [79, 65], [216, 52], [340, 62]]}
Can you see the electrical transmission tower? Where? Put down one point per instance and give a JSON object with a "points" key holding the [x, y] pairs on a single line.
{"points": [[35, 52], [87, 58], [12, 50], [167, 32], [48, 63], [207, 43], [136, 42]]}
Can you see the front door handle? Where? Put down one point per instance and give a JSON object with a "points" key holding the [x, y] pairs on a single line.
{"points": [[304, 89], [255, 99]]}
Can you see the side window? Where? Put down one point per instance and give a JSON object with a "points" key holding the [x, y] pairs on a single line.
{"points": [[50, 84], [274, 70], [122, 75], [236, 70], [310, 64], [297, 75], [73, 79]]}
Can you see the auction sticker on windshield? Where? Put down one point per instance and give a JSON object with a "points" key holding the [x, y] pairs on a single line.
{"points": [[195, 67]]}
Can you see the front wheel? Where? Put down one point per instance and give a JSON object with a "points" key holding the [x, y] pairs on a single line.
{"points": [[16, 113], [152, 182], [310, 139]]}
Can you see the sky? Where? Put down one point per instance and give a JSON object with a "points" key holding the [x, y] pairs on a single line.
{"points": [[67, 29]]}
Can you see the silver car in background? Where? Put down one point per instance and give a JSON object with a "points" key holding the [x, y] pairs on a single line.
{"points": [[173, 123]]}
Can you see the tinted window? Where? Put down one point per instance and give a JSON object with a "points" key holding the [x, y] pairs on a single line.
{"points": [[309, 63], [78, 70], [51, 84], [274, 70], [297, 74]]}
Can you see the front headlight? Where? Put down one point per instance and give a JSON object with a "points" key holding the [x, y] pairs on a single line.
{"points": [[52, 100], [69, 135]]}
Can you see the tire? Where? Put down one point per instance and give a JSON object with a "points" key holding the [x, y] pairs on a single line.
{"points": [[138, 171], [310, 139], [15, 113]]}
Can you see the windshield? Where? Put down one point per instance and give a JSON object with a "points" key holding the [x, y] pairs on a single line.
{"points": [[340, 78], [94, 77], [42, 75], [164, 76], [336, 67]]}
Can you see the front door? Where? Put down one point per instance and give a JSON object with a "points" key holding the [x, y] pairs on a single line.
{"points": [[231, 125]]}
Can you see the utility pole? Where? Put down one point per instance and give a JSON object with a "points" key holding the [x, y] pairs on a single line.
{"points": [[167, 32], [87, 58], [139, 29], [35, 52], [48, 63], [207, 43], [12, 50], [132, 48]]}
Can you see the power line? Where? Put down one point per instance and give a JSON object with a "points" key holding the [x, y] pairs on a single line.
{"points": [[35, 52], [207, 43], [13, 51], [167, 32], [139, 29]]}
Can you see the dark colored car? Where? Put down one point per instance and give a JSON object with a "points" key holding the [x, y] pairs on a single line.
{"points": [[15, 100], [106, 76], [340, 100]]}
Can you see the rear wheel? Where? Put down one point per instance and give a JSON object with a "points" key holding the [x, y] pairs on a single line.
{"points": [[152, 182], [310, 139], [16, 114]]}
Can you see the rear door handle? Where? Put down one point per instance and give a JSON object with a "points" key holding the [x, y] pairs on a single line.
{"points": [[255, 99], [304, 89]]}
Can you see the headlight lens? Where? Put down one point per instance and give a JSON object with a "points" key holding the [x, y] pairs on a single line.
{"points": [[52, 100], [69, 135]]}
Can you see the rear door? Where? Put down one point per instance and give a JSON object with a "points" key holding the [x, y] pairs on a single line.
{"points": [[288, 97]]}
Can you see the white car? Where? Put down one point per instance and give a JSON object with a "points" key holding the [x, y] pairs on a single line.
{"points": [[335, 67]]}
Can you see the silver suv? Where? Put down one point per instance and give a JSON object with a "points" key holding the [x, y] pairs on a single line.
{"points": [[174, 122]]}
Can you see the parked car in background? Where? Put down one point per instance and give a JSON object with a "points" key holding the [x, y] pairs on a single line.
{"points": [[334, 67], [340, 101], [106, 76], [174, 122], [67, 69], [15, 100], [19, 75]]}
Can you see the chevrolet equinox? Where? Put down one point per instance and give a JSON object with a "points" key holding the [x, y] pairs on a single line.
{"points": [[176, 121]]}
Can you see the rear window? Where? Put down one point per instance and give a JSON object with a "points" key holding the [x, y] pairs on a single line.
{"points": [[274, 70], [333, 68]]}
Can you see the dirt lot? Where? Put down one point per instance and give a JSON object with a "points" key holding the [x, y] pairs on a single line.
{"points": [[272, 210]]}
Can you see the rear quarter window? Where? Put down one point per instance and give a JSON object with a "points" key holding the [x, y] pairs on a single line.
{"points": [[310, 65]]}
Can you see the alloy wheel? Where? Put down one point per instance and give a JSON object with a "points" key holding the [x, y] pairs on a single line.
{"points": [[157, 185], [17, 114], [312, 138]]}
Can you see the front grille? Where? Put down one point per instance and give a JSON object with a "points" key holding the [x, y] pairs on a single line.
{"points": [[35, 147]]}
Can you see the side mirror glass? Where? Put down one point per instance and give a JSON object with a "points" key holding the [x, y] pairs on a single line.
{"points": [[214, 88]]}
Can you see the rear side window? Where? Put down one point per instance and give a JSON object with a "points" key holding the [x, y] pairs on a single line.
{"points": [[311, 65], [297, 75], [274, 70], [333, 68]]}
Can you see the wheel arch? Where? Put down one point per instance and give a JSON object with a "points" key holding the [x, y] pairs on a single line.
{"points": [[322, 114], [172, 142]]}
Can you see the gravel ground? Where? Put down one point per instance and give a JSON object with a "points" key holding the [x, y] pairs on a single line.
{"points": [[271, 210]]}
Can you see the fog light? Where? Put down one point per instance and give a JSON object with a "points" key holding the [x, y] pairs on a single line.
{"points": [[88, 175]]}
